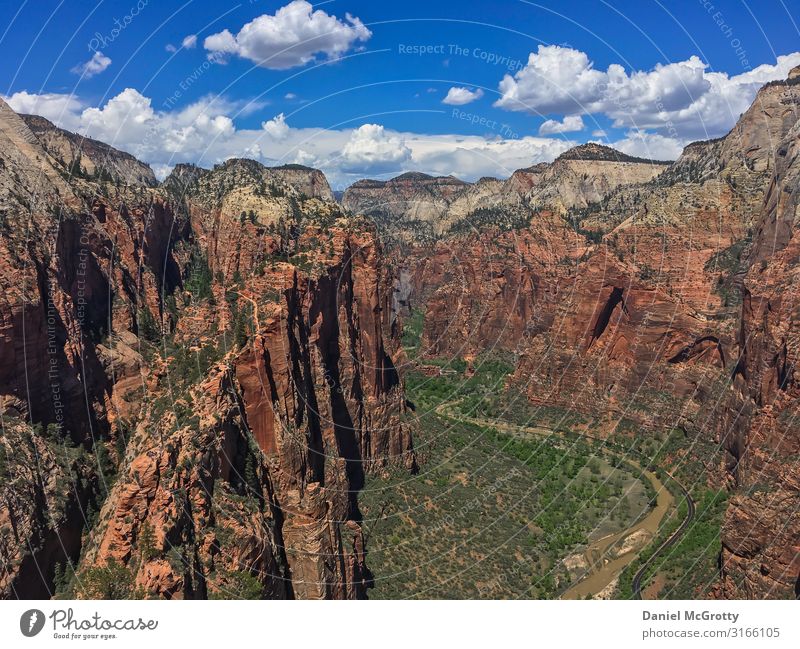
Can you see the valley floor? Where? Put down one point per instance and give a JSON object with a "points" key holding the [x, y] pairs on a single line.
{"points": [[510, 502]]}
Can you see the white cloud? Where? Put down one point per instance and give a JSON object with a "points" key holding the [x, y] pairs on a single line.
{"points": [[569, 124], [599, 133], [291, 37], [161, 170], [303, 157], [276, 128], [471, 157], [555, 80], [682, 100], [458, 96], [205, 133], [370, 147], [290, 96], [563, 80], [94, 66], [170, 48], [190, 41], [650, 145], [253, 152], [60, 109], [128, 115]]}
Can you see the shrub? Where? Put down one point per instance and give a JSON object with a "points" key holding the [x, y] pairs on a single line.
{"points": [[112, 581]]}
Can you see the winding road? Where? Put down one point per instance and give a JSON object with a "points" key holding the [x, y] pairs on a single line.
{"points": [[604, 571], [636, 584]]}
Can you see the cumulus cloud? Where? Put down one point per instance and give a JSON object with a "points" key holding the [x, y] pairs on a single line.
{"points": [[128, 115], [569, 124], [202, 131], [458, 96], [682, 99], [94, 66], [205, 133], [471, 157], [276, 128], [650, 145], [190, 41], [563, 80], [60, 109], [371, 147], [293, 36], [303, 157]]}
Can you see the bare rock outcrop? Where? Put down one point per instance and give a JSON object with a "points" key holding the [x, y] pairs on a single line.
{"points": [[85, 157], [218, 349]]}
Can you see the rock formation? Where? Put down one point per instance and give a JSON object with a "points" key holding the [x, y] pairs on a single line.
{"points": [[208, 365], [761, 535], [212, 363], [666, 301], [83, 156], [418, 207]]}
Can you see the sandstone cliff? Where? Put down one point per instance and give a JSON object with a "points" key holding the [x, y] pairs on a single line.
{"points": [[418, 207], [662, 303], [84, 156], [761, 536], [210, 363], [213, 359]]}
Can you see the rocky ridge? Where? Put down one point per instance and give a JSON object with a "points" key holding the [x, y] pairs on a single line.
{"points": [[661, 304], [216, 428], [84, 156], [418, 207]]}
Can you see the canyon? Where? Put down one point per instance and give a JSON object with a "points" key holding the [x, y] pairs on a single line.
{"points": [[199, 376], [215, 429]]}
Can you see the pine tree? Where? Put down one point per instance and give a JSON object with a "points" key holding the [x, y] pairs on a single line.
{"points": [[147, 543]]}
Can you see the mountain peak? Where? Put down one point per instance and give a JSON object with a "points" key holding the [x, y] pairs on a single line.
{"points": [[85, 155], [602, 153]]}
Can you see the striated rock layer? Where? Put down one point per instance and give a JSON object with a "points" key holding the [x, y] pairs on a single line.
{"points": [[416, 207], [761, 535], [208, 365], [664, 303]]}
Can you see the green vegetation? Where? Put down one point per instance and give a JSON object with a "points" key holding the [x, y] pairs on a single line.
{"points": [[239, 584], [688, 568], [148, 328], [501, 218], [412, 332], [495, 512], [198, 277], [730, 263], [111, 581], [577, 215], [492, 513], [147, 543]]}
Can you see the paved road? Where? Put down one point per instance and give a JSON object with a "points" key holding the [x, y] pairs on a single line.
{"points": [[443, 409], [672, 540]]}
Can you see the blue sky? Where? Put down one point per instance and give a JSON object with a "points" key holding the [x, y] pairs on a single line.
{"points": [[344, 85]]}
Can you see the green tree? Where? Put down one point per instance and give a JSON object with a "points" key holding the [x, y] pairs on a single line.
{"points": [[111, 581], [147, 326], [147, 543]]}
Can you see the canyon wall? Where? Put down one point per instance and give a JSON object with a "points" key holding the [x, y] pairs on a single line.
{"points": [[207, 366], [649, 300]]}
